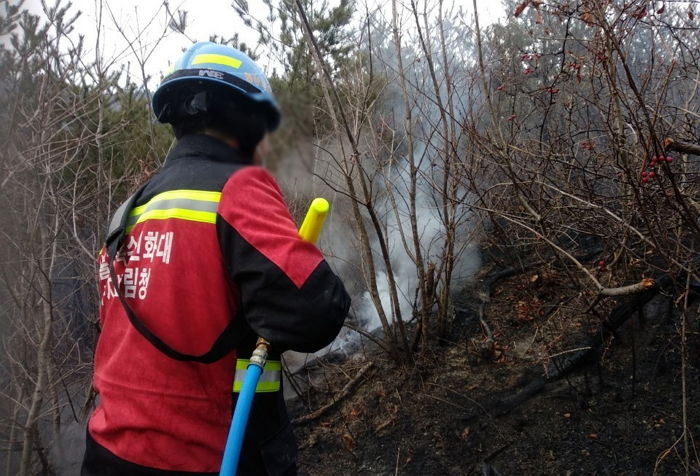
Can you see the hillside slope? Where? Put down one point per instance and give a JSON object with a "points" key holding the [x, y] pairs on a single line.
{"points": [[470, 408]]}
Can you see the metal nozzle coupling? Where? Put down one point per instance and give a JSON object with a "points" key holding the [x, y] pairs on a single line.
{"points": [[259, 356]]}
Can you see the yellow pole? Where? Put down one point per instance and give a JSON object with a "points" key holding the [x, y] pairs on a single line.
{"points": [[313, 222]]}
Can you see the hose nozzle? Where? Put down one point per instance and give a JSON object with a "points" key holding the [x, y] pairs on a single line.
{"points": [[259, 356]]}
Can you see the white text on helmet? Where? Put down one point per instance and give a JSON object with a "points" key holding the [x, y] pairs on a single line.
{"points": [[211, 73]]}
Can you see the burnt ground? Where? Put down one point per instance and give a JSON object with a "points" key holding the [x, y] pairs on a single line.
{"points": [[617, 413]]}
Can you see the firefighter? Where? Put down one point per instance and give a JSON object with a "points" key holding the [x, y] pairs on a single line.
{"points": [[203, 258]]}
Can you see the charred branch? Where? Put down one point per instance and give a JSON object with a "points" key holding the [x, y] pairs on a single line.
{"points": [[344, 393]]}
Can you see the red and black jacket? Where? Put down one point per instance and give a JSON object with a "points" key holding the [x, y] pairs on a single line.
{"points": [[210, 251]]}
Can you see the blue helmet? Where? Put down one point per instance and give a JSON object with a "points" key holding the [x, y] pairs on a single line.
{"points": [[208, 65]]}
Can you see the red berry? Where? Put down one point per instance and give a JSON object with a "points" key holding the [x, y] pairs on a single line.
{"points": [[601, 262], [651, 174], [645, 180], [669, 159], [661, 158], [645, 173], [501, 87]]}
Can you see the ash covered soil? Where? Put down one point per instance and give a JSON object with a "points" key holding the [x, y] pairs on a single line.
{"points": [[619, 413]]}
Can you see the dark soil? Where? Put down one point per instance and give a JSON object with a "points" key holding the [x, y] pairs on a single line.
{"points": [[621, 413]]}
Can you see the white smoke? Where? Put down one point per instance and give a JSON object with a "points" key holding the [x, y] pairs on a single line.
{"points": [[400, 241], [390, 180]]}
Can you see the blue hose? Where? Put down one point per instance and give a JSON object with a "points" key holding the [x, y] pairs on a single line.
{"points": [[232, 453]]}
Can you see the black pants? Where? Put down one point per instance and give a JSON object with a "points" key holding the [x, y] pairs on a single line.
{"points": [[99, 461]]}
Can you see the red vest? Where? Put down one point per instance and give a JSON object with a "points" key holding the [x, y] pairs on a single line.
{"points": [[207, 238]]}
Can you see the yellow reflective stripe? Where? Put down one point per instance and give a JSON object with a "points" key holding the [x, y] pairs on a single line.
{"points": [[242, 364], [217, 59], [191, 215], [262, 387], [191, 205], [266, 387], [269, 379], [201, 195]]}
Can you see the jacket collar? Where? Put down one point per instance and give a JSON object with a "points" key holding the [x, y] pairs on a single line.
{"points": [[202, 146]]}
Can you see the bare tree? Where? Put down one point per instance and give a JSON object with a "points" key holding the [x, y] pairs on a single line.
{"points": [[70, 130]]}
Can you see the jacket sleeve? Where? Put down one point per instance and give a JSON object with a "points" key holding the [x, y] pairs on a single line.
{"points": [[288, 293]]}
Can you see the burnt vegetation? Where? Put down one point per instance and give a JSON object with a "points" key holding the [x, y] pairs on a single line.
{"points": [[516, 211]]}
